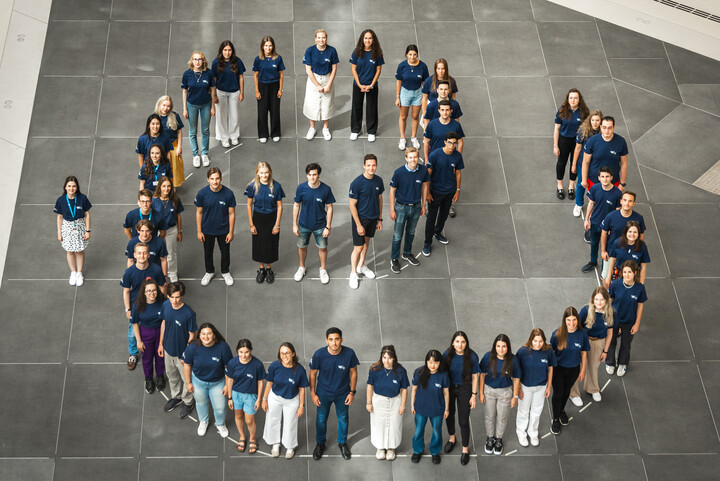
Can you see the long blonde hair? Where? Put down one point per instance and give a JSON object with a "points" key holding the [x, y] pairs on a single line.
{"points": [[590, 320], [171, 115], [256, 180], [586, 130]]}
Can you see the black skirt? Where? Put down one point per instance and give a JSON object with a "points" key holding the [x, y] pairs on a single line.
{"points": [[264, 243]]}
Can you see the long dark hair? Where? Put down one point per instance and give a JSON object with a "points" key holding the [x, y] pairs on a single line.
{"points": [[71, 178], [507, 368], [208, 325], [425, 372], [234, 66], [375, 49], [624, 240], [448, 78], [148, 166], [141, 301], [562, 332], [294, 354], [147, 125], [390, 351], [582, 106], [172, 195], [533, 334], [467, 356]]}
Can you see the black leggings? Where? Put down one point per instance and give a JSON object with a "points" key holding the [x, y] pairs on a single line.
{"points": [[461, 394], [567, 150], [562, 381]]}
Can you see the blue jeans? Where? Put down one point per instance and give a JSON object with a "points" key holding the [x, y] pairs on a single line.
{"points": [[204, 111], [579, 189], [595, 234], [132, 342], [323, 411], [206, 393], [406, 221], [418, 442]]}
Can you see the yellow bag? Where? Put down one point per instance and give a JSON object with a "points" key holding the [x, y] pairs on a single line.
{"points": [[178, 167]]}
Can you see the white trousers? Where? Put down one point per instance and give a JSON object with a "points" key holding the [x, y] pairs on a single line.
{"points": [[171, 246], [280, 409], [226, 115], [385, 422], [529, 410], [319, 106]]}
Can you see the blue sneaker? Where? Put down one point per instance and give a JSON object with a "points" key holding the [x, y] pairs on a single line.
{"points": [[441, 239], [426, 250]]}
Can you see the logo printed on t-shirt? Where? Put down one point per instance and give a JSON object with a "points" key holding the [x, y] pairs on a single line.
{"points": [[578, 345], [249, 375], [613, 152], [395, 381], [216, 359], [340, 366], [634, 297], [438, 385], [544, 361], [418, 181], [291, 380], [178, 323], [318, 199]]}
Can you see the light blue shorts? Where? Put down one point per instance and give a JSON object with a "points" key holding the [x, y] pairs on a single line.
{"points": [[244, 402], [410, 97]]}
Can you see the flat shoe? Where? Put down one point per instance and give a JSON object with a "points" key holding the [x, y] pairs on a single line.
{"points": [[560, 194], [449, 446], [571, 194]]}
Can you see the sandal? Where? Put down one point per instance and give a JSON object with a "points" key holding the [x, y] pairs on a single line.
{"points": [[252, 447], [241, 445]]}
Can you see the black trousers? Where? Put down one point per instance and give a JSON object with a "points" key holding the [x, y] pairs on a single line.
{"points": [[460, 394], [268, 103], [562, 381], [622, 331], [567, 149], [209, 247], [371, 109], [437, 214]]}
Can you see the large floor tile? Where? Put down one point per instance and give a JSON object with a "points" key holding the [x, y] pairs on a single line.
{"points": [[273, 10], [620, 42], [172, 468], [502, 10], [520, 157], [642, 109], [239, 468], [332, 468], [603, 468], [197, 36], [545, 11], [669, 467], [190, 11], [426, 471], [40, 469], [469, 63], [698, 312], [519, 40], [483, 179], [80, 10], [104, 256], [135, 110], [139, 10], [544, 468], [373, 10], [58, 111], [549, 298], [667, 189], [703, 96], [83, 42], [692, 68], [112, 179], [655, 75], [534, 109], [477, 119], [335, 10], [88, 469], [560, 42], [451, 10], [125, 58]]}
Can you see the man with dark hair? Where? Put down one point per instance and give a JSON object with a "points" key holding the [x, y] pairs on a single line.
{"points": [[604, 198], [144, 211], [605, 149]]}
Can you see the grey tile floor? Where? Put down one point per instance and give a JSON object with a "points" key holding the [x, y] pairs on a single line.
{"points": [[513, 261]]}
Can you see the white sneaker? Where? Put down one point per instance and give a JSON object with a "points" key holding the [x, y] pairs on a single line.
{"points": [[275, 450], [262, 140], [223, 431], [621, 370], [173, 276], [205, 160], [206, 278], [326, 134], [380, 454], [289, 453], [73, 278], [276, 139], [311, 133], [366, 272], [576, 400], [523, 440], [79, 279], [299, 274], [354, 284], [371, 137], [229, 281], [202, 428], [353, 135], [235, 141], [402, 144], [415, 142], [610, 369], [196, 161], [225, 143], [534, 441], [597, 397], [577, 210], [390, 454], [324, 277]]}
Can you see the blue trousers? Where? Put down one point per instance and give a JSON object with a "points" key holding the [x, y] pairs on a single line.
{"points": [[204, 111], [132, 342], [323, 411], [406, 222], [207, 393], [436, 440]]}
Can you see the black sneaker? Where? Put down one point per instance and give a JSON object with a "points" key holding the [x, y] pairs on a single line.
{"points": [[416, 457], [186, 410], [149, 385], [586, 237], [555, 428], [411, 259], [589, 266], [260, 278], [345, 451], [498, 447], [564, 419], [489, 445], [160, 382], [436, 459], [269, 276], [441, 239], [171, 404], [395, 266], [318, 451], [452, 212]]}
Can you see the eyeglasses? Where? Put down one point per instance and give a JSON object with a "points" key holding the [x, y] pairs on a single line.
{"points": [[286, 353], [451, 142], [145, 201]]}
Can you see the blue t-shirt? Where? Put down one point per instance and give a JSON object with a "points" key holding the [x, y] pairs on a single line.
{"points": [[151, 317], [432, 94], [156, 249], [134, 216], [388, 383], [442, 169], [408, 183], [432, 111], [367, 192], [625, 300], [320, 61], [366, 66], [436, 130], [569, 126], [333, 378], [134, 277], [430, 401], [265, 202], [605, 202], [628, 253], [605, 153], [599, 328], [269, 69], [411, 76], [287, 381], [496, 379], [145, 141], [216, 209], [172, 134], [245, 376], [198, 85], [179, 323], [614, 223], [312, 213], [72, 209], [227, 81], [455, 369], [158, 171], [208, 363], [167, 210], [571, 356], [535, 365]]}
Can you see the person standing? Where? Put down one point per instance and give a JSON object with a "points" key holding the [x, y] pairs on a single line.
{"points": [[432, 111], [146, 319], [589, 127], [615, 222], [333, 377], [537, 361], [145, 210], [228, 69], [268, 70], [429, 401], [154, 134], [567, 123], [627, 247], [73, 227], [156, 246], [168, 204], [603, 199], [410, 75], [320, 62], [244, 377], [367, 61], [605, 149], [198, 90], [172, 126]]}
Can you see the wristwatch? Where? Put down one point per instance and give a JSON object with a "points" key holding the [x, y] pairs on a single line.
{"points": [[353, 392]]}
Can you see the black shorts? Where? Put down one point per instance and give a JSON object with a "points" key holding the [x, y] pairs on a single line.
{"points": [[369, 225]]}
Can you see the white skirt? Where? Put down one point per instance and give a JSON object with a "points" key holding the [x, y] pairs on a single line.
{"points": [[73, 233], [385, 422], [319, 106]]}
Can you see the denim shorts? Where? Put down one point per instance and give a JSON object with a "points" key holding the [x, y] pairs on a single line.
{"points": [[304, 237], [410, 97], [244, 402]]}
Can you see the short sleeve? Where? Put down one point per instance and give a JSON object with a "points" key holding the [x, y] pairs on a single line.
{"points": [[517, 369], [256, 64], [335, 59], [280, 64], [250, 190]]}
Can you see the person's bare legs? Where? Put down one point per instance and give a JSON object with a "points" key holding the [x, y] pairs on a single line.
{"points": [[302, 255], [322, 253], [415, 119], [402, 121]]}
